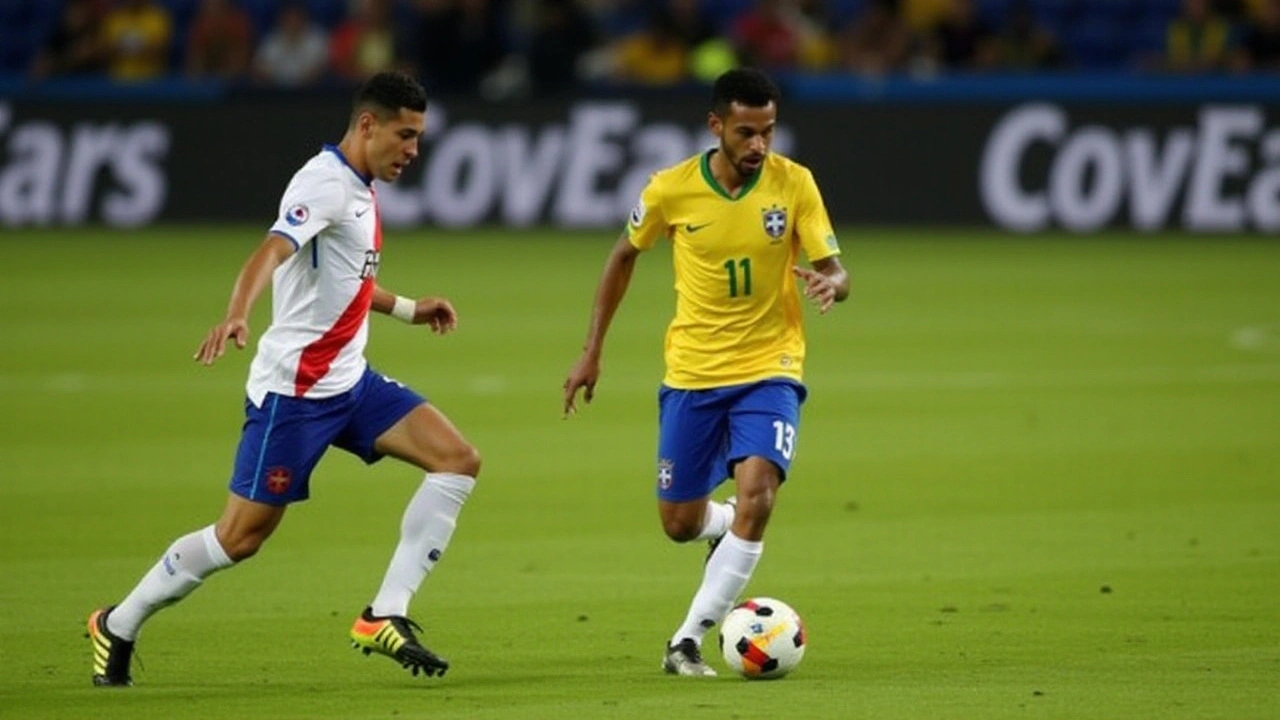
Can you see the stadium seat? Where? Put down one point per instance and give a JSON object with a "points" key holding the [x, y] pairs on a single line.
{"points": [[994, 13], [262, 14], [1055, 14], [405, 14], [1160, 8], [722, 13], [45, 13], [1096, 44], [327, 13], [181, 11], [843, 12], [1113, 11], [620, 20], [24, 27], [15, 56], [14, 15], [1154, 14], [180, 14], [1149, 38]]}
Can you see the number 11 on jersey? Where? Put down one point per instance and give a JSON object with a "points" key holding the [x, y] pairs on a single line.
{"points": [[733, 267]]}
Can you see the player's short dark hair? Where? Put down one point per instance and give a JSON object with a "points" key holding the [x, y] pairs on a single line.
{"points": [[745, 86], [386, 93]]}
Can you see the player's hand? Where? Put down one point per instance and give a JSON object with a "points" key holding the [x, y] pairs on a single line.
{"points": [[215, 343], [436, 313], [817, 287], [583, 376]]}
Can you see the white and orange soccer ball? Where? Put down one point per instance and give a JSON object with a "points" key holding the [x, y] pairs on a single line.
{"points": [[763, 638]]}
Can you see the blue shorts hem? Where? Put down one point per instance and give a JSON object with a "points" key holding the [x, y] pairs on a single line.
{"points": [[268, 500], [703, 434]]}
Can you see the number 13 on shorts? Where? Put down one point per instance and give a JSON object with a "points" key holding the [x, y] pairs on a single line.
{"points": [[784, 442]]}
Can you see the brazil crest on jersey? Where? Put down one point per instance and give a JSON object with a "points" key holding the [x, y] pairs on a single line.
{"points": [[738, 316]]}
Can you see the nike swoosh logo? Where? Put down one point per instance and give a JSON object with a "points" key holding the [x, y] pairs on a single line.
{"points": [[361, 212], [691, 228]]}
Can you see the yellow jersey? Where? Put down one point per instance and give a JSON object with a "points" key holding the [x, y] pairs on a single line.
{"points": [[138, 40], [738, 316]]}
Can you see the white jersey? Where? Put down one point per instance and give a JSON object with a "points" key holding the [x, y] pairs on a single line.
{"points": [[320, 296]]}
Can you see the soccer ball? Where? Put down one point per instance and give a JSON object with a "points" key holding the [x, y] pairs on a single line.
{"points": [[762, 638]]}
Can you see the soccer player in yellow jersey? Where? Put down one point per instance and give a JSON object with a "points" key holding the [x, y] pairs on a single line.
{"points": [[738, 218]]}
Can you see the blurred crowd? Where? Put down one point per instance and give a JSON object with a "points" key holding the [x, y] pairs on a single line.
{"points": [[509, 48]]}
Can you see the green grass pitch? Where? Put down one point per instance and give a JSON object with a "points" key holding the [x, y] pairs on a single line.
{"points": [[1036, 478]]}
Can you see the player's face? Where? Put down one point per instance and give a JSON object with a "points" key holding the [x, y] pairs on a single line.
{"points": [[746, 134], [393, 144]]}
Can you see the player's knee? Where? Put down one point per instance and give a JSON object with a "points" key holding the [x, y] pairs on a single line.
{"points": [[242, 547], [680, 529], [464, 460]]}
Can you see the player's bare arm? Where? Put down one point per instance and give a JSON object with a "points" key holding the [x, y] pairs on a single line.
{"points": [[434, 312], [253, 277], [609, 293], [826, 284]]}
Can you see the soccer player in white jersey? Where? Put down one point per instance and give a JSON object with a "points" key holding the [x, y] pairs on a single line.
{"points": [[310, 387]]}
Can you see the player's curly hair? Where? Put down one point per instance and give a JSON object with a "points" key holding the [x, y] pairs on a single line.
{"points": [[386, 93], [745, 86]]}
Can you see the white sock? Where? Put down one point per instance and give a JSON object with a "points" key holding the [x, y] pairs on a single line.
{"points": [[724, 579], [716, 521], [188, 561], [424, 534]]}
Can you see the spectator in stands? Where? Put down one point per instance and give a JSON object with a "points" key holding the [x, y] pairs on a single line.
{"points": [[769, 35], [219, 41], [1198, 40], [961, 41], [784, 35], [1260, 47], [1025, 44], [922, 16], [366, 43], [562, 34], [818, 50], [657, 55], [137, 35], [878, 41], [459, 43], [74, 47], [295, 53], [709, 54]]}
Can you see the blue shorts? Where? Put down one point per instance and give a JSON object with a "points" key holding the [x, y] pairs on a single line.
{"points": [[284, 439], [703, 434]]}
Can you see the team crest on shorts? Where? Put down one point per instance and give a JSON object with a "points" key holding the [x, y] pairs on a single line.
{"points": [[666, 473], [278, 480], [296, 215], [775, 222]]}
